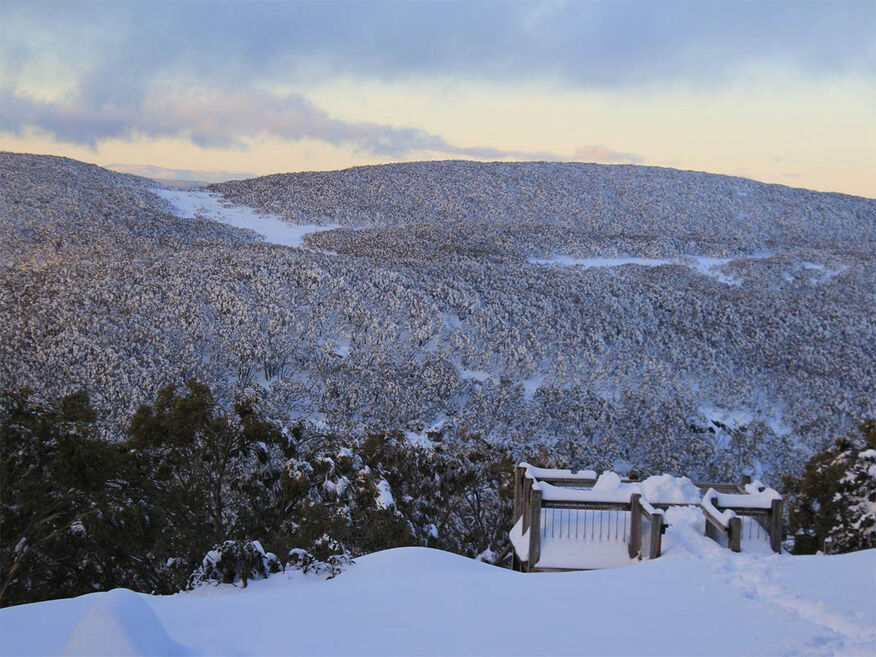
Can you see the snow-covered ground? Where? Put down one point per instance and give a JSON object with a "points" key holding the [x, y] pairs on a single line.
{"points": [[210, 205], [698, 599]]}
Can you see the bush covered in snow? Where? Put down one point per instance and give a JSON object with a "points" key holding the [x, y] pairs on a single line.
{"points": [[833, 503], [235, 561], [329, 567]]}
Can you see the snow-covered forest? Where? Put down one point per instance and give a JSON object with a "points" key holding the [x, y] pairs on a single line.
{"points": [[449, 302]]}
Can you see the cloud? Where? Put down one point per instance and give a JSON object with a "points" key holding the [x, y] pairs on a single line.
{"points": [[227, 119], [605, 154], [588, 45], [89, 71]]}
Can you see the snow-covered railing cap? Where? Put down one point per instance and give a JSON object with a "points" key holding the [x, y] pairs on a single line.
{"points": [[756, 496], [550, 493], [763, 500], [533, 472]]}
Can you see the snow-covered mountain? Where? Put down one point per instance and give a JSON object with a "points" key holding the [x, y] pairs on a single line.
{"points": [[617, 315], [698, 599]]}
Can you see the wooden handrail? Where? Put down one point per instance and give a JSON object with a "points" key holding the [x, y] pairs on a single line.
{"points": [[732, 530], [589, 506]]}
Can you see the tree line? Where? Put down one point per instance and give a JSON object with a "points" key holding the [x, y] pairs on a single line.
{"points": [[192, 478], [200, 492]]}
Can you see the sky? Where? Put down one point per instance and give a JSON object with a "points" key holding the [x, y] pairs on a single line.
{"points": [[782, 92]]}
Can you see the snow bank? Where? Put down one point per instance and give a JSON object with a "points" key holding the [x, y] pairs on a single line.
{"points": [[210, 205], [415, 601], [121, 624], [666, 489]]}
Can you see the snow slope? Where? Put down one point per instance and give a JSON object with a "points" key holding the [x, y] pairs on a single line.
{"points": [[698, 599]]}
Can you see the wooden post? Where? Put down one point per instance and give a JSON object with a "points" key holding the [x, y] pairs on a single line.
{"points": [[518, 493], [712, 532], [735, 534], [656, 535], [526, 508], [776, 522], [635, 526], [746, 479], [534, 528]]}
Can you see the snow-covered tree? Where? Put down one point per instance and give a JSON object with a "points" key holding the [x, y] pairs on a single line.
{"points": [[833, 503]]}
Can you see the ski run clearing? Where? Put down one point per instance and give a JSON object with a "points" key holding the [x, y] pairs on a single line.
{"points": [[703, 264], [698, 599], [209, 205]]}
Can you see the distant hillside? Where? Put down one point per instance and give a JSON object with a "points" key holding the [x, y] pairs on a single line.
{"points": [[610, 201], [617, 316]]}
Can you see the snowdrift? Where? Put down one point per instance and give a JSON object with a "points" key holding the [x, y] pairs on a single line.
{"points": [[699, 599]]}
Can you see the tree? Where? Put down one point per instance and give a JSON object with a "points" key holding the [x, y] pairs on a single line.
{"points": [[64, 498], [200, 458], [833, 503]]}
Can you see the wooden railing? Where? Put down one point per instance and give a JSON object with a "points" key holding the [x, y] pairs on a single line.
{"points": [[530, 502], [724, 521], [536, 491]]}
